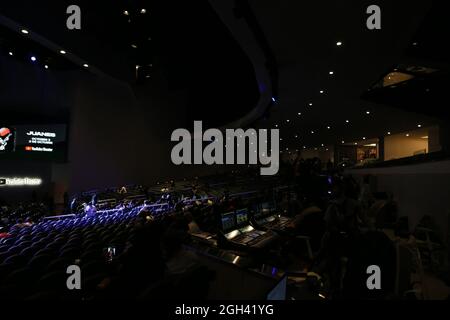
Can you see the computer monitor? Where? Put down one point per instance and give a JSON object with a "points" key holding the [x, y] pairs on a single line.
{"points": [[255, 209], [228, 221], [279, 291], [266, 208], [241, 217]]}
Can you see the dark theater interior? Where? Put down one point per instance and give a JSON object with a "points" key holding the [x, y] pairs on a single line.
{"points": [[224, 150]]}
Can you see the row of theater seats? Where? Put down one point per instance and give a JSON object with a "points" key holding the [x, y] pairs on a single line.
{"points": [[33, 260]]}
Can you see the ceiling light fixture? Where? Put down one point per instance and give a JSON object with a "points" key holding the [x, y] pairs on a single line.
{"points": [[339, 43], [24, 31], [62, 52], [389, 133], [143, 11], [46, 66], [310, 104], [367, 112], [126, 13], [86, 65], [331, 72], [419, 126], [10, 53], [347, 121], [322, 92], [328, 127], [33, 58]]}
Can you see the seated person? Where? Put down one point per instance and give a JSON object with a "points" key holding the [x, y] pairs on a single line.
{"points": [[310, 208], [28, 222], [178, 259], [123, 190], [145, 214], [345, 214], [192, 225], [90, 209], [140, 264], [383, 213]]}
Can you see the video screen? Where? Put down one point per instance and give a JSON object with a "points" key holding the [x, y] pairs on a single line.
{"points": [[47, 142], [256, 210], [266, 208], [228, 222], [241, 217]]}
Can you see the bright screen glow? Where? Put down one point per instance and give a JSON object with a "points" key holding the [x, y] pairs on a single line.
{"points": [[33, 141], [15, 181]]}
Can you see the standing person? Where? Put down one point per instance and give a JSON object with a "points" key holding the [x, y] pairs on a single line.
{"points": [[342, 219], [329, 166], [94, 199], [366, 197], [73, 205]]}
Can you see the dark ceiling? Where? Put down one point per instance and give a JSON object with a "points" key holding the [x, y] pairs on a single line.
{"points": [[186, 46], [180, 45], [304, 37], [427, 63]]}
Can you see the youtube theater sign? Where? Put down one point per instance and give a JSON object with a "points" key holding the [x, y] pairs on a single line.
{"points": [[19, 182]]}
